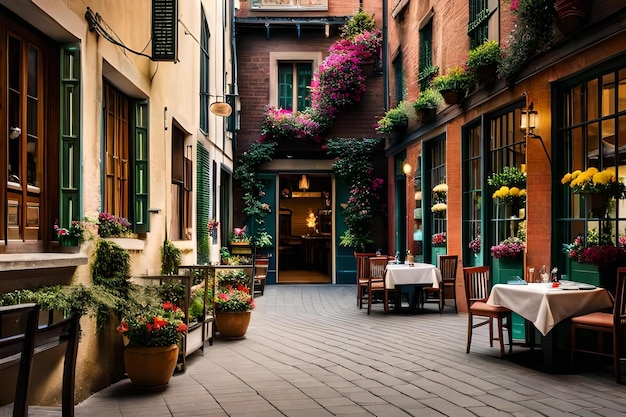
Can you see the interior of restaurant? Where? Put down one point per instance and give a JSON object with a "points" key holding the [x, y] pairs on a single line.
{"points": [[305, 229]]}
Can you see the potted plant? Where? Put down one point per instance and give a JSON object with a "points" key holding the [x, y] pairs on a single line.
{"points": [[170, 258], [233, 307], [240, 241], [426, 104], [571, 14], [438, 243], [224, 255], [484, 60], [454, 84], [113, 226], [72, 235], [152, 334], [533, 34], [395, 119]]}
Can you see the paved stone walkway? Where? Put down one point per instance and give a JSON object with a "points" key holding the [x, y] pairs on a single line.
{"points": [[310, 351]]}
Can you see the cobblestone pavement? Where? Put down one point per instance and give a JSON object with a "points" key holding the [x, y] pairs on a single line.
{"points": [[310, 351]]}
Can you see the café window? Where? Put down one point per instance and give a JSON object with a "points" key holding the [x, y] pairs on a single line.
{"points": [[507, 151], [294, 79], [30, 84], [438, 195], [473, 195], [289, 5], [426, 69], [125, 135], [592, 133], [182, 177], [481, 17]]}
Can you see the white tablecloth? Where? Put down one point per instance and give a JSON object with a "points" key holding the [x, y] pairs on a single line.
{"points": [[418, 274], [545, 306]]}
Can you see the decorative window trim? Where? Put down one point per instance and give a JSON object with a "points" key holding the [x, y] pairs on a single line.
{"points": [[275, 57]]}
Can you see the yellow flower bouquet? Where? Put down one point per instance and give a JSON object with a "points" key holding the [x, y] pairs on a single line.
{"points": [[510, 195], [593, 181]]}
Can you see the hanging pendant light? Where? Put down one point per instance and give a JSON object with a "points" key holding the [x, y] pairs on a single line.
{"points": [[304, 183]]}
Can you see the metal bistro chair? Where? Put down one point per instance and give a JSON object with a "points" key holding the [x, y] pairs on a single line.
{"points": [[477, 288], [605, 325]]}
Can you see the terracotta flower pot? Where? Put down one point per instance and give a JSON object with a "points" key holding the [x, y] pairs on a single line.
{"points": [[232, 324], [150, 366]]}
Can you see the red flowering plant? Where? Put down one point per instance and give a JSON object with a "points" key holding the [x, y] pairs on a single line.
{"points": [[233, 299], [212, 226], [439, 239], [597, 249], [76, 230], [154, 326], [512, 247]]}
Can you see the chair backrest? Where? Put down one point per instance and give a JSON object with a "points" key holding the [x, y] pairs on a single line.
{"points": [[18, 324], [619, 308], [260, 267], [477, 286], [362, 264], [377, 266], [447, 266]]}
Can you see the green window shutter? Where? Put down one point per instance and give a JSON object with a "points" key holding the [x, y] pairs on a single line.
{"points": [[285, 86], [203, 202], [204, 72], [70, 153], [305, 73], [140, 156]]}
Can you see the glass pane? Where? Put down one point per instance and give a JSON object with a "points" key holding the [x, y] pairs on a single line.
{"points": [[608, 94], [33, 69], [622, 90], [592, 99], [285, 85], [576, 105]]}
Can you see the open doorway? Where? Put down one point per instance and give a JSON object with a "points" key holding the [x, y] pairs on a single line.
{"points": [[305, 229]]}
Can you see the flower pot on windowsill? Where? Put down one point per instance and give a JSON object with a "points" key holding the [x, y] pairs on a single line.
{"points": [[68, 241]]}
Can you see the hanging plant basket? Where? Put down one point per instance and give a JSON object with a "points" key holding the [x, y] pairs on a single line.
{"points": [[572, 14], [426, 114], [452, 97], [487, 74]]}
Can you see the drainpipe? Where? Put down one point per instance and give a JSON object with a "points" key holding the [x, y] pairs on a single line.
{"points": [[385, 58]]}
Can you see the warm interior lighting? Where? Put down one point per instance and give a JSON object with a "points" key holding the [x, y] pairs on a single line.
{"points": [[406, 168], [528, 120], [311, 220], [304, 183]]}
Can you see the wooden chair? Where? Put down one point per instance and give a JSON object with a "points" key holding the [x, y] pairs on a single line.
{"points": [[362, 275], [447, 284], [261, 266], [477, 288], [18, 324], [605, 325], [376, 281]]}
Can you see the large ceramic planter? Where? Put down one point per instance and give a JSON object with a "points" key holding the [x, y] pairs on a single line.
{"points": [[150, 367], [426, 114], [232, 324], [487, 74]]}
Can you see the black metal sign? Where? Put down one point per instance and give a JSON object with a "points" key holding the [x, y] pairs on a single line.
{"points": [[164, 30]]}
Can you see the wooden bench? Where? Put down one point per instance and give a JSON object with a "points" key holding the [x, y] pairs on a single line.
{"points": [[22, 336]]}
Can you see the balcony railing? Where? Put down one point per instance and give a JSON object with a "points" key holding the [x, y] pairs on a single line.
{"points": [[289, 5]]}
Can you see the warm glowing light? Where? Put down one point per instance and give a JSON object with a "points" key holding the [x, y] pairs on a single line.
{"points": [[304, 183]]}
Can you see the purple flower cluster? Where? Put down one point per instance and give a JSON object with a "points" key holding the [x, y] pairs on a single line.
{"points": [[509, 248], [283, 123], [475, 245]]}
